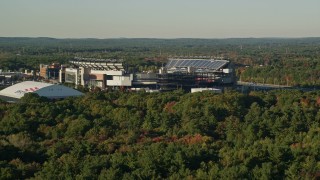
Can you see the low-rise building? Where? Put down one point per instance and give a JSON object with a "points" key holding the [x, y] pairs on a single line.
{"points": [[49, 71], [51, 91]]}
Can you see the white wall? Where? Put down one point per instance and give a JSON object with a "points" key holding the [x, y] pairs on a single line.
{"points": [[112, 73], [227, 70], [193, 90], [120, 81], [71, 70]]}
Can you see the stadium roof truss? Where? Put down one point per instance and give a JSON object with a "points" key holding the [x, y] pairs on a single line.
{"points": [[208, 65], [99, 64]]}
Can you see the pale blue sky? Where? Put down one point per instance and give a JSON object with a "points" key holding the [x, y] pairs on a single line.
{"points": [[160, 18]]}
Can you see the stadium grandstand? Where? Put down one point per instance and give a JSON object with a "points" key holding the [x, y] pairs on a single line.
{"points": [[92, 72], [189, 73]]}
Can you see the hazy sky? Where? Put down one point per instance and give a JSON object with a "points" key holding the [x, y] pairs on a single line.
{"points": [[159, 18]]}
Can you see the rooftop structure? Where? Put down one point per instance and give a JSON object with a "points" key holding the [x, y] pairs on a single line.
{"points": [[98, 64], [195, 65], [51, 91]]}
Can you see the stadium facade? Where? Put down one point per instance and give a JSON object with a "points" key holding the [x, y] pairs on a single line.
{"points": [[96, 73], [177, 73]]}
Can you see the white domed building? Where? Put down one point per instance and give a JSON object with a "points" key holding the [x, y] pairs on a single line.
{"points": [[51, 91]]}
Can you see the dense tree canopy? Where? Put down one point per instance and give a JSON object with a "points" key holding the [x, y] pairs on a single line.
{"points": [[298, 72], [176, 135]]}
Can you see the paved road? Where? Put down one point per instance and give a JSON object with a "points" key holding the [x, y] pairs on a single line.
{"points": [[262, 85], [258, 86]]}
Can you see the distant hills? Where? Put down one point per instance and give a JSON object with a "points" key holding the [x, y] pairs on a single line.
{"points": [[150, 42]]}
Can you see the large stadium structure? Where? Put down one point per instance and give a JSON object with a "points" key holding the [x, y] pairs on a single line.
{"points": [[188, 73], [51, 91], [93, 72], [183, 73]]}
